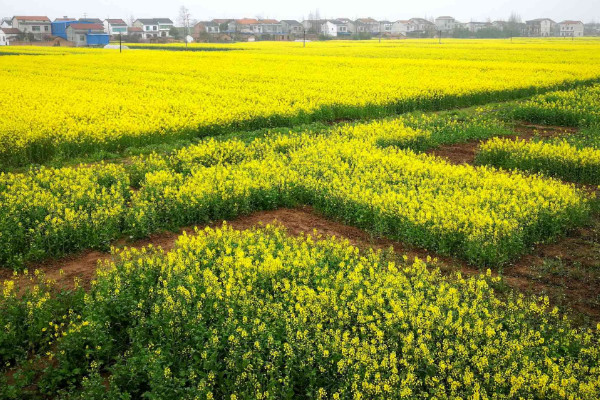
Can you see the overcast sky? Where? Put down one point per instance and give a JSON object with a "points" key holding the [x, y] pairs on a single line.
{"points": [[463, 10]]}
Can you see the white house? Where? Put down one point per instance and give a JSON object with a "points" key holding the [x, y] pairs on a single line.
{"points": [[386, 27], [402, 27], [571, 29], [540, 27], [334, 28], [445, 23], [39, 26], [422, 25], [154, 27], [8, 35], [115, 26], [477, 26]]}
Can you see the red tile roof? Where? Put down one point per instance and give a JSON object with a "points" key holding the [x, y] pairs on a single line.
{"points": [[571, 22], [87, 27], [135, 29], [32, 18], [10, 31], [246, 21], [268, 21]]}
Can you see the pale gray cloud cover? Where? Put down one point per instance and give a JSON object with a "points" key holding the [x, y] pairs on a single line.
{"points": [[463, 10]]}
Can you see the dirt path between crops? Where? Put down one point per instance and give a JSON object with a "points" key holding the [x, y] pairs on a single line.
{"points": [[568, 271], [464, 153]]}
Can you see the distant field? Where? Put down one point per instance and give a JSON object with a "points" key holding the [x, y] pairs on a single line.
{"points": [[72, 101]]}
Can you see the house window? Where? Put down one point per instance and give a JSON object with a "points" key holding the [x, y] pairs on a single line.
{"points": [[45, 28], [35, 28], [155, 28], [82, 38]]}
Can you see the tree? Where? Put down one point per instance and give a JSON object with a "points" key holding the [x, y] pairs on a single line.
{"points": [[513, 25], [184, 20]]}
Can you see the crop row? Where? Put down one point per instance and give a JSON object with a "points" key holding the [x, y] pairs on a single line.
{"points": [[576, 107], [261, 315], [558, 158], [344, 174]]}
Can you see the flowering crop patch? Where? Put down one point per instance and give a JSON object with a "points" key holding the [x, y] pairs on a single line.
{"points": [[78, 101], [258, 314], [559, 159], [578, 107]]}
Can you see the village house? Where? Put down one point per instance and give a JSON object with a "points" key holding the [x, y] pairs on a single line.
{"points": [[37, 26], [422, 26], [154, 27], [204, 28], [115, 27], [244, 26], [402, 27], [540, 27], [335, 28], [571, 29], [474, 26], [291, 27], [223, 24], [8, 35], [386, 27], [366, 25], [269, 26], [87, 34], [135, 31], [313, 25], [446, 23]]}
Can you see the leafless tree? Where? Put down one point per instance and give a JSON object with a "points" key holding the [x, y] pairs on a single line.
{"points": [[184, 20]]}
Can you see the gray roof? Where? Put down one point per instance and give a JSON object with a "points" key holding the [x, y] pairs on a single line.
{"points": [[291, 21], [154, 21]]}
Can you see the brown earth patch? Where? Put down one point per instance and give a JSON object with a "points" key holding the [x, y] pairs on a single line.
{"points": [[464, 153]]}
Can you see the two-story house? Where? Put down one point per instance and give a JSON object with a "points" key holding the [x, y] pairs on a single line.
{"points": [[540, 27], [571, 29], [37, 26], [291, 27], [445, 23], [403, 27], [269, 27], [154, 27], [244, 26], [422, 25], [366, 25], [86, 34], [474, 26], [203, 28], [335, 28], [115, 27]]}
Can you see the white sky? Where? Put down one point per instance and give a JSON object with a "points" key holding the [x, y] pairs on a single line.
{"points": [[463, 10]]}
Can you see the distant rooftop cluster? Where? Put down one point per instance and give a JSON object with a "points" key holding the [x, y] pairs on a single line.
{"points": [[95, 32]]}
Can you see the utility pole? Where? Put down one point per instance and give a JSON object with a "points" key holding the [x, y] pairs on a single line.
{"points": [[120, 43], [304, 29], [379, 31], [440, 37]]}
